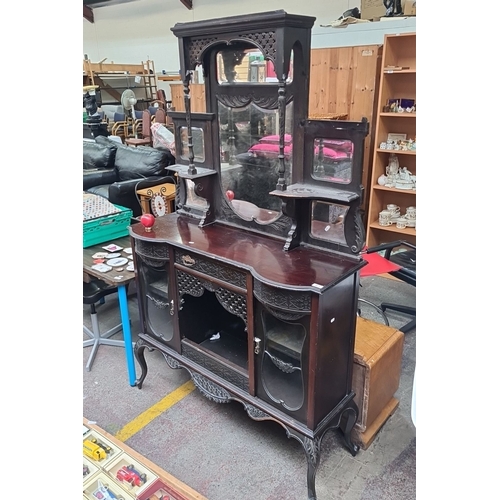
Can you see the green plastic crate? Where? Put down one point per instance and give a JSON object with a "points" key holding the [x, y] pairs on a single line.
{"points": [[106, 228]]}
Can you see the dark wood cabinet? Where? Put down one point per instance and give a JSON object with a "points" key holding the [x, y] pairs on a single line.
{"points": [[258, 303]]}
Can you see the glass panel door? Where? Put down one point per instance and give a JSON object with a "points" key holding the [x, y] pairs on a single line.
{"points": [[282, 360]]}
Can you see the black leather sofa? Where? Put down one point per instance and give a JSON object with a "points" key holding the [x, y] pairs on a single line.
{"points": [[116, 171]]}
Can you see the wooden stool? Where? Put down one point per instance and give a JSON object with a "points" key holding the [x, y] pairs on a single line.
{"points": [[378, 351]]}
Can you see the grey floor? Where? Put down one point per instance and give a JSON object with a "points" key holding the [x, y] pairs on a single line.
{"points": [[225, 455]]}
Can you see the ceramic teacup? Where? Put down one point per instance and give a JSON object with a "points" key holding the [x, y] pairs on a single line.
{"points": [[385, 218], [401, 222], [411, 213], [394, 209]]}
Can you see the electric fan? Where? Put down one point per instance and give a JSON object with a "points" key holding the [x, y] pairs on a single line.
{"points": [[128, 101]]}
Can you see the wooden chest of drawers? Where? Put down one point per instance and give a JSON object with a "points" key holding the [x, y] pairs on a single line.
{"points": [[378, 352]]}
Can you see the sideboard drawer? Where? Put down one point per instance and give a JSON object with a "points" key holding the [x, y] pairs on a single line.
{"points": [[211, 268]]}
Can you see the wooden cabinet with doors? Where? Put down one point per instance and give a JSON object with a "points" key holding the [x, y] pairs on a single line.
{"points": [[397, 86], [254, 292]]}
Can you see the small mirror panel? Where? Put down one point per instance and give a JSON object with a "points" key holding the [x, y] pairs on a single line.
{"points": [[327, 221], [198, 144], [332, 160], [192, 199]]}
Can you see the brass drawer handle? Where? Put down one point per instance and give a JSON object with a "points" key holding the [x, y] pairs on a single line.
{"points": [[188, 260]]}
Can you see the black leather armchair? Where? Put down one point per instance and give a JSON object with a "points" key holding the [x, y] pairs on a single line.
{"points": [[116, 172]]}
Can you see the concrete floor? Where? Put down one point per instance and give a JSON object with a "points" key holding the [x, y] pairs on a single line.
{"points": [[225, 455]]}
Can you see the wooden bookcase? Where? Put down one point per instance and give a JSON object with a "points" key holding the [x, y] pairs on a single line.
{"points": [[399, 51]]}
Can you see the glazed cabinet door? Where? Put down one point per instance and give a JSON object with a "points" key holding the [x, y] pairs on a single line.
{"points": [[281, 349], [155, 296]]}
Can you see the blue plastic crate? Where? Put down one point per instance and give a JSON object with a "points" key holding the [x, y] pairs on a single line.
{"points": [[106, 228]]}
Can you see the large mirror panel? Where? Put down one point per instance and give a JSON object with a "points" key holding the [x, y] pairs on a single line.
{"points": [[249, 138]]}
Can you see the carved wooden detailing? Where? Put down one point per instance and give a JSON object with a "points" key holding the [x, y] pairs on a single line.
{"points": [[242, 100], [215, 367], [285, 315], [195, 48], [172, 362], [234, 303], [312, 449], [211, 390], [287, 300], [151, 249], [265, 41], [186, 283], [281, 185], [160, 304], [360, 233], [281, 365], [255, 413], [212, 268]]}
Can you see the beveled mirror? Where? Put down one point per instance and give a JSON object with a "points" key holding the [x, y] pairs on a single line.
{"points": [[249, 136]]}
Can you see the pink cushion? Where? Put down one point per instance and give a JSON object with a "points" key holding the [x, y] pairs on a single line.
{"points": [[269, 150], [275, 139], [338, 145], [331, 154]]}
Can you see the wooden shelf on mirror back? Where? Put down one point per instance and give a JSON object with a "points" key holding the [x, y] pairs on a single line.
{"points": [[396, 84]]}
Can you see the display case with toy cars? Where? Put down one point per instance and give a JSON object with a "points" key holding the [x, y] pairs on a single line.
{"points": [[123, 474], [99, 450], [102, 487], [130, 473], [89, 470], [160, 490]]}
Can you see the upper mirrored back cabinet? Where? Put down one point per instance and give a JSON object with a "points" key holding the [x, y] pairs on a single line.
{"points": [[254, 160]]}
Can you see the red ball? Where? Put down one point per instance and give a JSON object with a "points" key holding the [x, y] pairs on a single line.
{"points": [[230, 195], [147, 220]]}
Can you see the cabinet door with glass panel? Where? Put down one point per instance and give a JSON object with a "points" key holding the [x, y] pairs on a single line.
{"points": [[152, 265]]}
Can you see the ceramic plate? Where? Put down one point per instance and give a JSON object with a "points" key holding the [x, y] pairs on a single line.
{"points": [[120, 261], [102, 268], [100, 255], [127, 250], [130, 267], [113, 255], [112, 248]]}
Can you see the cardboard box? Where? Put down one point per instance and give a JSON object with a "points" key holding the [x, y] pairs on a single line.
{"points": [[410, 8], [372, 9]]}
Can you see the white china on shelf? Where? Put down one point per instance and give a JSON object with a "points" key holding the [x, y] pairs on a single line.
{"points": [[381, 181], [385, 218], [401, 222]]}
